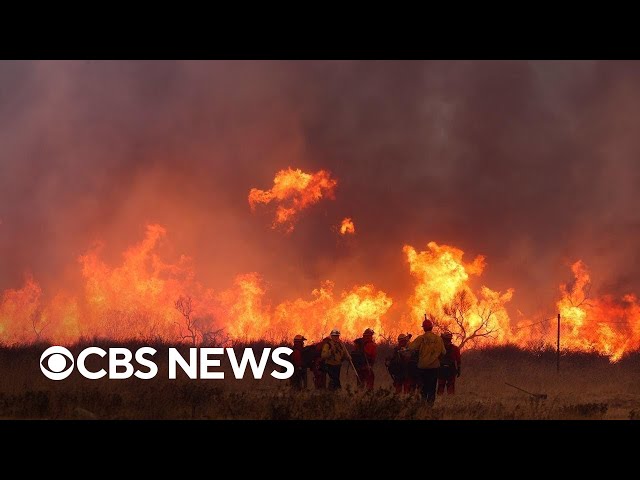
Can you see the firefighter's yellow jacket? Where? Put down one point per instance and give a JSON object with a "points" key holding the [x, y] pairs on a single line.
{"points": [[333, 353], [430, 346]]}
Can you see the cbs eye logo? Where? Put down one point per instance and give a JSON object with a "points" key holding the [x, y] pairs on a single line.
{"points": [[59, 365]]}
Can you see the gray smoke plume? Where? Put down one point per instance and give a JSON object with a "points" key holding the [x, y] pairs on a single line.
{"points": [[532, 164]]}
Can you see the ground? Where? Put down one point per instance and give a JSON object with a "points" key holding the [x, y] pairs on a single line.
{"points": [[588, 386]]}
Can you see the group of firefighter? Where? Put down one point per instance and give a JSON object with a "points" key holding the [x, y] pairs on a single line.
{"points": [[427, 363]]}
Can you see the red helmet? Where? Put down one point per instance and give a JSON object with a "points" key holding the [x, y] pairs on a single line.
{"points": [[299, 338], [427, 325], [368, 332]]}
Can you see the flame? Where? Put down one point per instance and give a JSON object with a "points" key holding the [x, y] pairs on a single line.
{"points": [[599, 324], [133, 300], [359, 309], [249, 316], [347, 227], [136, 299], [245, 315], [19, 311], [293, 191], [443, 292], [441, 273]]}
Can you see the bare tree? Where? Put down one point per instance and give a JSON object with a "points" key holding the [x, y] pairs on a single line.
{"points": [[213, 337], [184, 305], [579, 296], [38, 324], [486, 327], [438, 320], [200, 328], [459, 309]]}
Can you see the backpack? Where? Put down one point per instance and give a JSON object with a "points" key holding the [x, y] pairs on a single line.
{"points": [[357, 355], [395, 367], [311, 353], [408, 357], [447, 360]]}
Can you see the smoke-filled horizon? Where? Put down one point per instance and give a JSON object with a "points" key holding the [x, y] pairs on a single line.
{"points": [[531, 164]]}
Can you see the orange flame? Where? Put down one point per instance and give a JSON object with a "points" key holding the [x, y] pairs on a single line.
{"points": [[441, 273], [244, 315], [19, 312], [443, 292], [293, 191], [249, 317], [347, 226], [598, 324], [137, 299]]}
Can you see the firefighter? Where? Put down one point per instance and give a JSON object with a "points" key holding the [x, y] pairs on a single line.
{"points": [[430, 348], [318, 368], [299, 377], [402, 366], [449, 366], [368, 351], [333, 354]]}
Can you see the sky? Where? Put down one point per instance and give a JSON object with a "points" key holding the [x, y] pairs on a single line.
{"points": [[532, 164]]}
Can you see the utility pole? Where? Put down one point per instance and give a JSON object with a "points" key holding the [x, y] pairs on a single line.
{"points": [[558, 348]]}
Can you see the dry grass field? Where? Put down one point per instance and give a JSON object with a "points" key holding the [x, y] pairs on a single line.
{"points": [[587, 387]]}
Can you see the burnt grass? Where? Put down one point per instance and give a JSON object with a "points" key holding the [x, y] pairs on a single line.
{"points": [[588, 386]]}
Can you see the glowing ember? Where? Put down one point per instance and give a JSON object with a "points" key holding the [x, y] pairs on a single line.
{"points": [[293, 191]]}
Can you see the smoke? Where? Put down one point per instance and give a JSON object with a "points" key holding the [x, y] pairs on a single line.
{"points": [[531, 164]]}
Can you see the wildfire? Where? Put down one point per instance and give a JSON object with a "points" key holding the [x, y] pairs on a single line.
{"points": [[443, 292], [347, 227], [138, 300], [249, 317], [293, 191], [599, 324], [135, 299], [148, 297], [244, 314], [19, 311]]}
